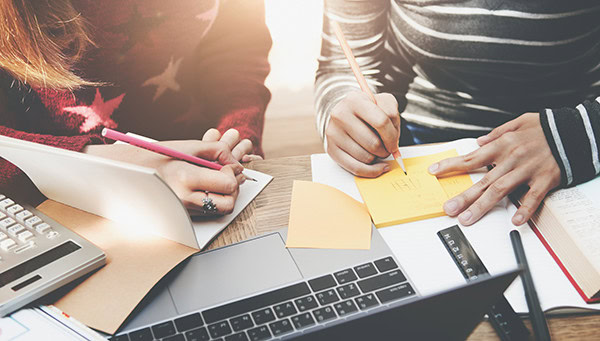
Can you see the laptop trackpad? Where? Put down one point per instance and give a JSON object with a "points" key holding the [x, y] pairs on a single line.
{"points": [[231, 272]]}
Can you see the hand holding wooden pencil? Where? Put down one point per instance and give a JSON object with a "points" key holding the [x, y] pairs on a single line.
{"points": [[363, 127]]}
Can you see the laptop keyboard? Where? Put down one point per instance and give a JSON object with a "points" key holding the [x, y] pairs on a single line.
{"points": [[278, 312]]}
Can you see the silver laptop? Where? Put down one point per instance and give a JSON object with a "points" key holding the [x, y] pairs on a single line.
{"points": [[260, 290]]}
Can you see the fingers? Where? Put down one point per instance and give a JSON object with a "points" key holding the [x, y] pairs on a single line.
{"points": [[242, 148], [218, 151], [495, 192], [354, 166], [211, 135], [224, 204], [380, 121], [531, 201], [195, 178], [251, 157], [388, 103], [474, 160], [498, 131], [231, 137], [338, 138], [367, 138]]}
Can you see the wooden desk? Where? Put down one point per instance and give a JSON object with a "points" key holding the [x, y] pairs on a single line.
{"points": [[270, 211]]}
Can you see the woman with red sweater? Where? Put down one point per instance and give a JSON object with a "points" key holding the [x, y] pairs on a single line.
{"points": [[166, 70]]}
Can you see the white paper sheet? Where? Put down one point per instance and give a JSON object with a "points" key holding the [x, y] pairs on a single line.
{"points": [[428, 263]]}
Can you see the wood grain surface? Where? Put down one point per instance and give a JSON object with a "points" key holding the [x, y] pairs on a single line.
{"points": [[270, 211]]}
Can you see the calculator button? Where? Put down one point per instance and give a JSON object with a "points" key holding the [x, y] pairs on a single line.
{"points": [[21, 216], [324, 314], [381, 281], [385, 264], [345, 308], [345, 276], [14, 209], [52, 234], [281, 327], [285, 309], [303, 320], [43, 227], [365, 270], [25, 236], [5, 203], [24, 247], [395, 292], [15, 229], [3, 236], [306, 303], [32, 221], [7, 244], [367, 301], [4, 223]]}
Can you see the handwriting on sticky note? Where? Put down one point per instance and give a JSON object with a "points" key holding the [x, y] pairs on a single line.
{"points": [[326, 218], [397, 198]]}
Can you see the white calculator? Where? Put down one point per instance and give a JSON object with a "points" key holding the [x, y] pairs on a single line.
{"points": [[38, 255]]}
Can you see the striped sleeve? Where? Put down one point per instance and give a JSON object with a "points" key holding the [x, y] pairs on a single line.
{"points": [[364, 24], [572, 134]]}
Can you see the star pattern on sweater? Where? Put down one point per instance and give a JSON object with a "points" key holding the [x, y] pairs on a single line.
{"points": [[137, 29], [98, 113], [209, 16], [166, 80]]}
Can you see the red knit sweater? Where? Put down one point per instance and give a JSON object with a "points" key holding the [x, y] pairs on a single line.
{"points": [[173, 69]]}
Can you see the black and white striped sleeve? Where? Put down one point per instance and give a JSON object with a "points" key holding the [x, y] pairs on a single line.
{"points": [[364, 25], [573, 135]]}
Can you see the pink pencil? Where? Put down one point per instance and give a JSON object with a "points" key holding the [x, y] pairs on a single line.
{"points": [[154, 147], [362, 82]]}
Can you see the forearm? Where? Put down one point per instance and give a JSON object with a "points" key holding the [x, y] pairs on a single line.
{"points": [[364, 24], [573, 135]]}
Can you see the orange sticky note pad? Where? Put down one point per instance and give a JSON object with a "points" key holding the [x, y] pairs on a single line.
{"points": [[325, 218], [396, 198]]}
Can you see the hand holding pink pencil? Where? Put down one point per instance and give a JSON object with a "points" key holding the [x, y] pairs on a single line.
{"points": [[154, 147], [363, 84]]}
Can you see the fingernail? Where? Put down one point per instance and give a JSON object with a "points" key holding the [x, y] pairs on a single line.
{"points": [[466, 216], [386, 168], [482, 139], [433, 168], [518, 219], [450, 206]]}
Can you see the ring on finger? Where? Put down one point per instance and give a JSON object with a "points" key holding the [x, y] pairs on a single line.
{"points": [[208, 206]]}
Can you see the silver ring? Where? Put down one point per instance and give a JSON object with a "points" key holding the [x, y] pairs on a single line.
{"points": [[208, 206]]}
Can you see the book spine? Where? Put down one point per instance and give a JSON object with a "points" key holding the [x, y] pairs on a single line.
{"points": [[561, 265]]}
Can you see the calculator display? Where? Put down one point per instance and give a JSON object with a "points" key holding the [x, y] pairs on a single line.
{"points": [[37, 262]]}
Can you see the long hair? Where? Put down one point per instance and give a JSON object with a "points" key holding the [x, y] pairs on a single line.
{"points": [[40, 42]]}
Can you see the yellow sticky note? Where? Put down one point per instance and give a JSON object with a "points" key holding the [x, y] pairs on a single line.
{"points": [[326, 218], [395, 198]]}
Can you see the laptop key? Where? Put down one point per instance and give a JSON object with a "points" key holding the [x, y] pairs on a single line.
{"points": [[163, 329], [367, 301], [386, 264], [321, 283], [263, 316], [259, 333], [395, 292], [324, 314], [381, 281], [188, 322], [178, 337], [303, 320], [365, 270], [199, 334], [141, 335], [327, 297], [237, 337], [306, 303], [345, 276], [219, 329], [241, 323], [281, 327], [285, 309], [348, 290], [345, 308]]}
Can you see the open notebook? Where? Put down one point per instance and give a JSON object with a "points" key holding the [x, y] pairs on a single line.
{"points": [[425, 258]]}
